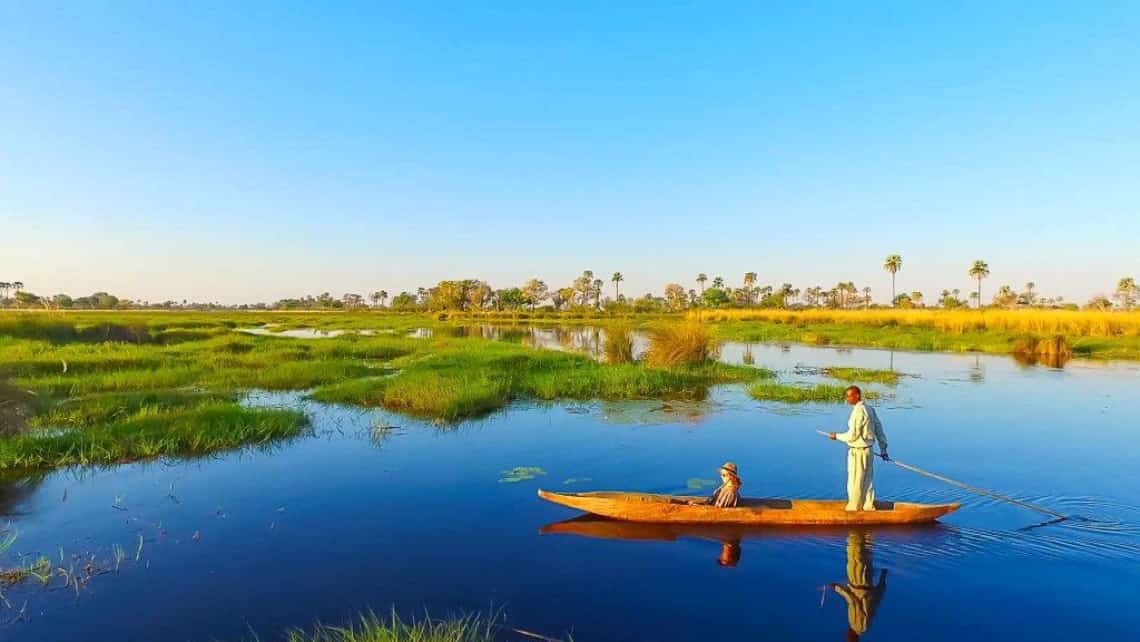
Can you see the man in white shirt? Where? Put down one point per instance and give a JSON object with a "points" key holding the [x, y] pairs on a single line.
{"points": [[863, 430]]}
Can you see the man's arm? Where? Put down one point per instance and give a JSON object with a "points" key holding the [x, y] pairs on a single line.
{"points": [[854, 425], [880, 436]]}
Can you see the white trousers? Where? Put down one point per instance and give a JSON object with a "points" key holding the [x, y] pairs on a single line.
{"points": [[860, 479]]}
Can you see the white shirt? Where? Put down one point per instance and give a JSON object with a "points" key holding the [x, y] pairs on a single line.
{"points": [[863, 428]]}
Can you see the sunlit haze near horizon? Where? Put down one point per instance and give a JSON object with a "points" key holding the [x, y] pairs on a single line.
{"points": [[247, 152]]}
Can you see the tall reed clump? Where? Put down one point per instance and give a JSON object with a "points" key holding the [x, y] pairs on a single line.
{"points": [[618, 346], [681, 344]]}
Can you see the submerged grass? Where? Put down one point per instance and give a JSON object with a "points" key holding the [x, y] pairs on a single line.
{"points": [[790, 393]]}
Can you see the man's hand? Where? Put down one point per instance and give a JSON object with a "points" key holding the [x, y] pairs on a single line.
{"points": [[831, 436], [886, 457]]}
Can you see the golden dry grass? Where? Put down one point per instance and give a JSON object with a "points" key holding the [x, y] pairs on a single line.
{"points": [[1072, 323]]}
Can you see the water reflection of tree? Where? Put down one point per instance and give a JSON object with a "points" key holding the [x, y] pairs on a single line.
{"points": [[977, 372], [15, 491], [654, 411], [748, 358], [862, 591], [1050, 360]]}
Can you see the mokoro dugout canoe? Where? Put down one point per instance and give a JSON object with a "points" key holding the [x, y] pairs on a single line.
{"points": [[680, 509]]}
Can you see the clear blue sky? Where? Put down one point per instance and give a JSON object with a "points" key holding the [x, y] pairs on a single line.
{"points": [[241, 151]]}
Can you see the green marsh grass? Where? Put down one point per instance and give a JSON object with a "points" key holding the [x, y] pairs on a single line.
{"points": [[862, 375], [96, 410], [468, 378], [110, 387], [149, 433], [790, 393]]}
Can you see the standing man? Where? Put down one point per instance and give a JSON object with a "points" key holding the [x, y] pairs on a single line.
{"points": [[863, 430]]}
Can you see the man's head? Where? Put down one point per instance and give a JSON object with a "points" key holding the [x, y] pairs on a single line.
{"points": [[853, 395]]}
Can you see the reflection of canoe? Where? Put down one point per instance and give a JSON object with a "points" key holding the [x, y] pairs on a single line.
{"points": [[675, 509], [606, 528]]}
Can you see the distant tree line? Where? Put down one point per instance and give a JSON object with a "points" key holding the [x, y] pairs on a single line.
{"points": [[587, 293]]}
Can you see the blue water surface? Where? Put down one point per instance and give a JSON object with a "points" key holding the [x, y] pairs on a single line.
{"points": [[373, 510]]}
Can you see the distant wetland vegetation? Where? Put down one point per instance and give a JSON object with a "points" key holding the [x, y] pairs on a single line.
{"points": [[99, 387], [104, 388], [1086, 333]]}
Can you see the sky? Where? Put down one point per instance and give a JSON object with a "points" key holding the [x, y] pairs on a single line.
{"points": [[248, 151]]}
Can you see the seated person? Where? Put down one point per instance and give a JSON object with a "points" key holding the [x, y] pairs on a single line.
{"points": [[728, 494]]}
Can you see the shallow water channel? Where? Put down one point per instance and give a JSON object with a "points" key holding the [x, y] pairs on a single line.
{"points": [[373, 510]]}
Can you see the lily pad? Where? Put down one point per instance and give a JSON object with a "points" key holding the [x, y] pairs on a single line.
{"points": [[520, 473], [696, 483]]}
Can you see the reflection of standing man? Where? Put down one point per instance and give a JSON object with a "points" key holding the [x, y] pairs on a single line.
{"points": [[863, 430], [860, 592]]}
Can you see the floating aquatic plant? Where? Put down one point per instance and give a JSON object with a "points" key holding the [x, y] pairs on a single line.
{"points": [[520, 473]]}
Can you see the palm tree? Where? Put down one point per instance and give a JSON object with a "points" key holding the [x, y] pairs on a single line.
{"points": [[617, 278], [718, 283], [598, 283], [979, 270], [1126, 290], [702, 278], [17, 286], [749, 281], [383, 297], [893, 264], [866, 298], [5, 286]]}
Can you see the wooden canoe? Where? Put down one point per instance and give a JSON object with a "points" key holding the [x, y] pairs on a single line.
{"points": [[679, 509]]}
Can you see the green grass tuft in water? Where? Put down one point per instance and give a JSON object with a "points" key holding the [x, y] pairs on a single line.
{"points": [[862, 375], [192, 431], [372, 628], [790, 393]]}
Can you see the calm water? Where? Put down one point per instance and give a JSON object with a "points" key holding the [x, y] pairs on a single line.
{"points": [[357, 516]]}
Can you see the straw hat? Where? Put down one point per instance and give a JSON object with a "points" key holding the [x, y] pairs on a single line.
{"points": [[730, 468]]}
